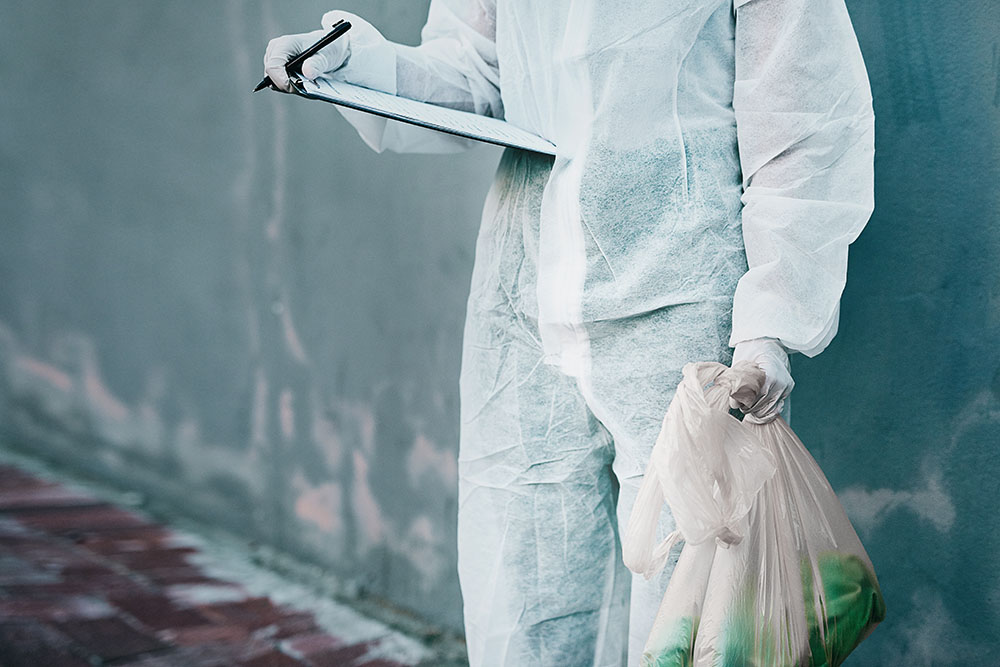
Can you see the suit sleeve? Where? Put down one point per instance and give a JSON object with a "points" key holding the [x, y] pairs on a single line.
{"points": [[805, 129], [455, 65]]}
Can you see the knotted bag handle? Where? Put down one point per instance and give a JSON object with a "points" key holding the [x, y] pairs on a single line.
{"points": [[712, 384]]}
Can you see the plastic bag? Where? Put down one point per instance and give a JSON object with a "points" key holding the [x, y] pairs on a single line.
{"points": [[772, 574]]}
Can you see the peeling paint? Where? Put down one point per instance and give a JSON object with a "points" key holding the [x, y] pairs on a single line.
{"points": [[258, 411], [363, 417], [102, 399], [44, 372], [869, 509], [291, 336], [424, 457], [929, 637], [286, 412], [325, 435], [320, 505], [422, 546], [365, 507]]}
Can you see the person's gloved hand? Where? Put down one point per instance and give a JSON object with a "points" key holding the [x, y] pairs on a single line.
{"points": [[362, 55], [772, 358], [282, 49]]}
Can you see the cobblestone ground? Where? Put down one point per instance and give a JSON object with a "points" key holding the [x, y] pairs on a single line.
{"points": [[83, 582]]}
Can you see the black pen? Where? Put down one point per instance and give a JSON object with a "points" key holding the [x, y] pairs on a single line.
{"points": [[294, 66]]}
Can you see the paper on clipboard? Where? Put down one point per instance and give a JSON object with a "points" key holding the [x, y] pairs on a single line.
{"points": [[443, 119]]}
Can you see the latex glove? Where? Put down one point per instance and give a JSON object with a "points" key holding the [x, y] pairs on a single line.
{"points": [[282, 49], [772, 358], [362, 55]]}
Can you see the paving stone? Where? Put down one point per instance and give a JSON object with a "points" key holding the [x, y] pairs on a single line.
{"points": [[289, 625], [91, 571], [109, 638], [83, 582], [97, 584], [271, 658], [204, 634], [262, 654], [49, 552], [56, 608], [43, 497], [15, 479], [207, 655], [308, 645], [32, 644], [232, 653], [152, 558], [192, 594], [18, 571], [343, 655], [12, 530], [169, 576], [156, 611], [171, 658], [73, 521], [137, 538], [252, 613]]}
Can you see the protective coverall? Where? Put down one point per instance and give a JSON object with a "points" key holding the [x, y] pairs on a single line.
{"points": [[715, 162]]}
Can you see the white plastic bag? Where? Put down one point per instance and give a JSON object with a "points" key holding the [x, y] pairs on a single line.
{"points": [[772, 574]]}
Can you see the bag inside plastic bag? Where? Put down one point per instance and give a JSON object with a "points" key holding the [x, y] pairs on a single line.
{"points": [[772, 573]]}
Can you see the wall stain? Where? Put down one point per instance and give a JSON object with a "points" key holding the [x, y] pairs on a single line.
{"points": [[320, 505], [929, 500], [286, 413], [369, 521], [425, 457]]}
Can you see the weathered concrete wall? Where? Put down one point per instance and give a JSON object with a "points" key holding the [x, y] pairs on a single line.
{"points": [[903, 410], [229, 303], [227, 300]]}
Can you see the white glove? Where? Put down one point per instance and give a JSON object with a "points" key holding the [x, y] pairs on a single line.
{"points": [[772, 358], [282, 49], [362, 55]]}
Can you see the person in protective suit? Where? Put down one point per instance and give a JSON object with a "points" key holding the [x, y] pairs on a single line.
{"points": [[715, 160]]}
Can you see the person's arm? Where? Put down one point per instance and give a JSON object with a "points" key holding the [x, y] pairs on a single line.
{"points": [[455, 66], [805, 129]]}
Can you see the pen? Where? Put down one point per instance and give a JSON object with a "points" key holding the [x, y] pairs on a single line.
{"points": [[294, 65]]}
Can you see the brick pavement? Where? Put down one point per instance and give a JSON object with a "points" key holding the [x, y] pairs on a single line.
{"points": [[83, 582]]}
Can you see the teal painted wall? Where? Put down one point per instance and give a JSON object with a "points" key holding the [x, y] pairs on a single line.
{"points": [[903, 409], [226, 300], [229, 303]]}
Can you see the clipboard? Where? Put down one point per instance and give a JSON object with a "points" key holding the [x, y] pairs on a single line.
{"points": [[443, 119]]}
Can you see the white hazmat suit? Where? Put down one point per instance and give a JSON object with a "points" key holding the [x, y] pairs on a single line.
{"points": [[715, 162]]}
